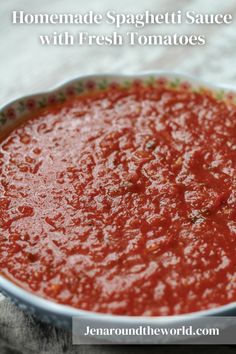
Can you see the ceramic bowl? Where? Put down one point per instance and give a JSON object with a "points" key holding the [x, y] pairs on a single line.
{"points": [[13, 112]]}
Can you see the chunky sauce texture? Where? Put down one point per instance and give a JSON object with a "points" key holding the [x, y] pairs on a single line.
{"points": [[123, 201]]}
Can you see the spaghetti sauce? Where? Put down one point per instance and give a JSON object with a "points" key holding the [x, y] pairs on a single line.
{"points": [[123, 201]]}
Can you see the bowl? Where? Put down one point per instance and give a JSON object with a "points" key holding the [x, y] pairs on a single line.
{"points": [[14, 112]]}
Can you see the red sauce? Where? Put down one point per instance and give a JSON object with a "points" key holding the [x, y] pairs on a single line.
{"points": [[123, 202]]}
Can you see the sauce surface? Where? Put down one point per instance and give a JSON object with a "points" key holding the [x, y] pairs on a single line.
{"points": [[123, 201]]}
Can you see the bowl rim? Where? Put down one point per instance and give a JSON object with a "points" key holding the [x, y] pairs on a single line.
{"points": [[141, 74], [54, 308], [49, 306]]}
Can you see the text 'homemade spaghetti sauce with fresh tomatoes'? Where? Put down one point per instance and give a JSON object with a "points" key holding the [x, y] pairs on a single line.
{"points": [[123, 201]]}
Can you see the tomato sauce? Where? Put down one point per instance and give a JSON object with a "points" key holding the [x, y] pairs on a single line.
{"points": [[123, 201]]}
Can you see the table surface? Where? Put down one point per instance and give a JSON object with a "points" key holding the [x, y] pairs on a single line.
{"points": [[27, 67]]}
